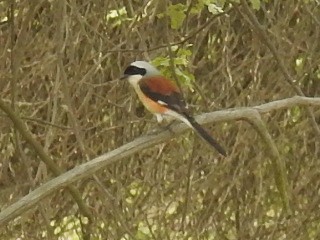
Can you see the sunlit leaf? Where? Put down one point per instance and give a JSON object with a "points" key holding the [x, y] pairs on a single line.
{"points": [[256, 4], [177, 15]]}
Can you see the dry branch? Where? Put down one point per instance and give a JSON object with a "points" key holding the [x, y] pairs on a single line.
{"points": [[88, 169], [259, 29], [22, 128]]}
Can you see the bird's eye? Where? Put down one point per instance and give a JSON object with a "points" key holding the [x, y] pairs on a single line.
{"points": [[133, 70]]}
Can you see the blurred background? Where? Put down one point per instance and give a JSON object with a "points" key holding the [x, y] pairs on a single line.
{"points": [[59, 67]]}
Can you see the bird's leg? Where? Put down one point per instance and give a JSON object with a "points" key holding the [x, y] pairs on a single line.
{"points": [[162, 126], [156, 130], [168, 126]]}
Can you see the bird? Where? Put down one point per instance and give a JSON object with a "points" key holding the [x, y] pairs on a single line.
{"points": [[163, 98]]}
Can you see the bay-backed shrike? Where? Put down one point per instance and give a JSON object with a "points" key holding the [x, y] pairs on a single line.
{"points": [[162, 97]]}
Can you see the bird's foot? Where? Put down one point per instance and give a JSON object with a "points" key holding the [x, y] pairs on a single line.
{"points": [[163, 128], [169, 126]]}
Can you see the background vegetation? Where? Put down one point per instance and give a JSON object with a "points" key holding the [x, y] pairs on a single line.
{"points": [[60, 61]]}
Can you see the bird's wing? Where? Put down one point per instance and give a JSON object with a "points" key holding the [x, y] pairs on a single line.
{"points": [[164, 92], [167, 94]]}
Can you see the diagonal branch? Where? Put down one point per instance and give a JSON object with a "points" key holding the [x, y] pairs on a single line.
{"points": [[27, 135], [87, 169]]}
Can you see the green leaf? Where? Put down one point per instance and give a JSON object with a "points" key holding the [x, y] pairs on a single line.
{"points": [[185, 77], [214, 9], [177, 15], [256, 4], [180, 62], [117, 16], [213, 6], [161, 61], [294, 114]]}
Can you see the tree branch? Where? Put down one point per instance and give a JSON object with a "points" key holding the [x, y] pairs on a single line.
{"points": [[251, 114], [27, 135], [260, 30]]}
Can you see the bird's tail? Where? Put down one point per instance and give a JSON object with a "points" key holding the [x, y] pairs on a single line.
{"points": [[205, 135]]}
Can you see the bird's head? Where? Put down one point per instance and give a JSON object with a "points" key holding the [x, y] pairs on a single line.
{"points": [[139, 69]]}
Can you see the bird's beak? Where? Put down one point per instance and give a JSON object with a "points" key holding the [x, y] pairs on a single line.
{"points": [[125, 76]]}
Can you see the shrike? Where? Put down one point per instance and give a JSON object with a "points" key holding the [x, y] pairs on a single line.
{"points": [[162, 97]]}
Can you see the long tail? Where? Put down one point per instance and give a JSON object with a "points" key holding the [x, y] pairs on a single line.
{"points": [[205, 135]]}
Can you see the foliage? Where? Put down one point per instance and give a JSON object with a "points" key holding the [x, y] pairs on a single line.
{"points": [[180, 61], [60, 61]]}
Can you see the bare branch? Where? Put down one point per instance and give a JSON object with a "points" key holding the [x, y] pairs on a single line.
{"points": [[43, 155], [252, 114], [259, 29]]}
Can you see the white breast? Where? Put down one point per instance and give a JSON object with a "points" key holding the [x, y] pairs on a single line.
{"points": [[134, 80]]}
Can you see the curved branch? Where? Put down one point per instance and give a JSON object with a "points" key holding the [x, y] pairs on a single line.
{"points": [[27, 135], [89, 168], [259, 29]]}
